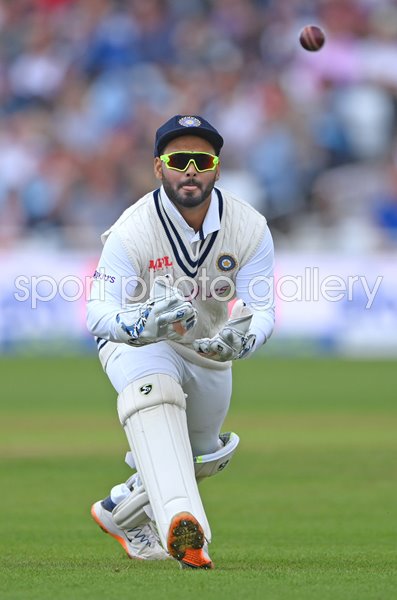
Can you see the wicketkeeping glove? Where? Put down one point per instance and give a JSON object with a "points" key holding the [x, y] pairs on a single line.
{"points": [[166, 315], [233, 341]]}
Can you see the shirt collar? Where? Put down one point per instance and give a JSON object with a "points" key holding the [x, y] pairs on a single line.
{"points": [[211, 221]]}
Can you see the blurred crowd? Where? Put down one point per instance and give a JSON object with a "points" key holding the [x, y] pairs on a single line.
{"points": [[310, 137]]}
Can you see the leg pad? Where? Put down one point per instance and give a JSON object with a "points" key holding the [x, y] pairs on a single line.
{"points": [[131, 512], [152, 411]]}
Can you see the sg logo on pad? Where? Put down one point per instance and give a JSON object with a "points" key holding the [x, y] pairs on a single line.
{"points": [[146, 389]]}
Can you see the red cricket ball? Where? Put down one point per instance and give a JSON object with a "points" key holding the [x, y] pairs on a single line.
{"points": [[312, 38]]}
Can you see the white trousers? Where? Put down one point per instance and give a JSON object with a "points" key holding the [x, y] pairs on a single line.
{"points": [[208, 390]]}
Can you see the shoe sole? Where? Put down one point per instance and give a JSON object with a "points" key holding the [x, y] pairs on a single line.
{"points": [[114, 535], [185, 542]]}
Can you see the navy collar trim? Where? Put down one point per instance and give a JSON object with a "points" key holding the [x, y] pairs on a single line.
{"points": [[182, 251]]}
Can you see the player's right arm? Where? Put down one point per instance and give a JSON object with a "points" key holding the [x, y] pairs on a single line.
{"points": [[252, 319], [164, 315]]}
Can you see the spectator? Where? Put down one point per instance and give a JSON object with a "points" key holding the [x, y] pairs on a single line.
{"points": [[79, 79]]}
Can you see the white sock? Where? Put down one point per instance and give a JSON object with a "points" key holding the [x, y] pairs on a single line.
{"points": [[119, 492]]}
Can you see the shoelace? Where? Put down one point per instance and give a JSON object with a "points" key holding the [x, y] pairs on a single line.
{"points": [[139, 534]]}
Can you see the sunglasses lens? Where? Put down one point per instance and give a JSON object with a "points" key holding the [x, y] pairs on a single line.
{"points": [[204, 162], [180, 161]]}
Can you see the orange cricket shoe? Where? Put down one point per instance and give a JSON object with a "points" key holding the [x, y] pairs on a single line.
{"points": [[186, 542]]}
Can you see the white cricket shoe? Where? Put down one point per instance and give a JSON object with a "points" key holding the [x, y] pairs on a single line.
{"points": [[140, 542]]}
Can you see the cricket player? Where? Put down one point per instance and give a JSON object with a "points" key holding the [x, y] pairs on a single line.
{"points": [[158, 309]]}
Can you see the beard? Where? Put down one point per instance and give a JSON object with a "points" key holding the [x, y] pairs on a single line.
{"points": [[188, 199]]}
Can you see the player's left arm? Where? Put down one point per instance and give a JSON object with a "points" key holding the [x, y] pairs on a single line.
{"points": [[255, 286], [251, 322]]}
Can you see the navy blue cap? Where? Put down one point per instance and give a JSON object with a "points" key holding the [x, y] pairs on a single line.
{"points": [[186, 125]]}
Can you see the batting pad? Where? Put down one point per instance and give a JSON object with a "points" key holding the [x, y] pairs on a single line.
{"points": [[152, 411], [134, 509], [208, 465], [130, 512]]}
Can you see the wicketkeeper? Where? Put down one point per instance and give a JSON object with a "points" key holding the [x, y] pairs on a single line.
{"points": [[159, 311]]}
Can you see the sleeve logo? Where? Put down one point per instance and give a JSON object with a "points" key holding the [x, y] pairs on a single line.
{"points": [[103, 277]]}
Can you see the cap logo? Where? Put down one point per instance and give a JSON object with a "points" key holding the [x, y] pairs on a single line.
{"points": [[189, 122]]}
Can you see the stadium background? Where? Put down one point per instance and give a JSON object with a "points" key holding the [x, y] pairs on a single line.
{"points": [[311, 141]]}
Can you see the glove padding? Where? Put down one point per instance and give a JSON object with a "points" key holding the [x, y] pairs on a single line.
{"points": [[233, 341], [166, 315]]}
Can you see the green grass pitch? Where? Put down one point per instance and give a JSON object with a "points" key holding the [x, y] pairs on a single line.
{"points": [[307, 509]]}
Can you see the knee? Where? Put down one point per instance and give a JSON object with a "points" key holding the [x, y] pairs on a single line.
{"points": [[147, 392]]}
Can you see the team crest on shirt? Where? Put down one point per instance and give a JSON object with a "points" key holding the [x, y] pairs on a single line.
{"points": [[189, 122], [226, 262]]}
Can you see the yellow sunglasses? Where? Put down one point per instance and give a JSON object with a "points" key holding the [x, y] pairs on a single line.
{"points": [[179, 161]]}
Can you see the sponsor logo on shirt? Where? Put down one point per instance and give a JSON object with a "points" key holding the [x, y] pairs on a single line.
{"points": [[102, 276], [159, 263]]}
